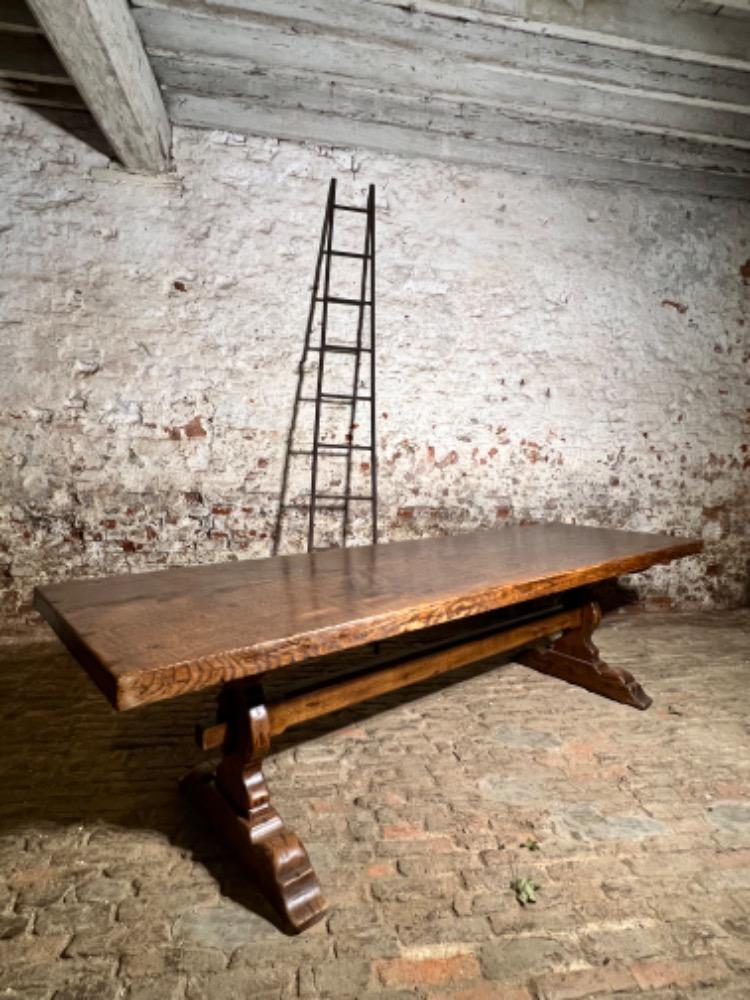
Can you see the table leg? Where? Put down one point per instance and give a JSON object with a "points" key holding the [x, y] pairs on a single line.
{"points": [[574, 658], [236, 800]]}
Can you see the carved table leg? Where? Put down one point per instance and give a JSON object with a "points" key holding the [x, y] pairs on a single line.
{"points": [[574, 658], [237, 802]]}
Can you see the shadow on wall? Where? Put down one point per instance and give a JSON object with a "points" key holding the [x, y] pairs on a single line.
{"points": [[287, 507], [79, 124]]}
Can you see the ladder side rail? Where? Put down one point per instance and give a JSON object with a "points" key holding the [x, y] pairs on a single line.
{"points": [[373, 409], [316, 279], [355, 386], [321, 365]]}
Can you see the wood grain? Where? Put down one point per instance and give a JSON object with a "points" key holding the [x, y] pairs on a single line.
{"points": [[237, 802], [98, 43], [236, 799], [455, 82], [151, 636], [574, 658]]}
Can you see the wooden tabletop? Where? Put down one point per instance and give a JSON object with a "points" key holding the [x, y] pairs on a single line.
{"points": [[151, 636]]}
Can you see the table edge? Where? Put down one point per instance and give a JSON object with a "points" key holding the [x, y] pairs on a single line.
{"points": [[130, 690]]}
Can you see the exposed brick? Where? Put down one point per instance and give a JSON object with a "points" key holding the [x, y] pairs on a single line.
{"points": [[120, 448], [405, 832], [345, 977], [11, 925], [604, 980], [93, 988], [39, 886], [485, 991], [510, 958], [96, 943], [238, 983], [158, 988], [31, 950], [657, 974], [381, 870], [195, 923], [428, 971]]}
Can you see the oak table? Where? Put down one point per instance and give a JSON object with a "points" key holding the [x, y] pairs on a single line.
{"points": [[149, 637]]}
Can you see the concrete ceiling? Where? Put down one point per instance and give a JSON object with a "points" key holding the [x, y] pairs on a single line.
{"points": [[653, 92]]}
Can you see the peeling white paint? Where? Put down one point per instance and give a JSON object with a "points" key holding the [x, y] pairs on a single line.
{"points": [[533, 361]]}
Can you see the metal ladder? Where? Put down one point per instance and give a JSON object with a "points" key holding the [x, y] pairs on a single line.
{"points": [[362, 350]]}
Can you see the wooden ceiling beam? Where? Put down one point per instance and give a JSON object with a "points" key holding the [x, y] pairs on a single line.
{"points": [[98, 43], [597, 89], [660, 27], [666, 28]]}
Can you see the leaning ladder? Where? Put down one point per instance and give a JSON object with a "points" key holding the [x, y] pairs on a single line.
{"points": [[362, 349]]}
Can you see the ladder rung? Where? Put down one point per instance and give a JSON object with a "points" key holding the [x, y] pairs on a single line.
{"points": [[348, 253], [341, 349], [305, 505], [344, 302], [344, 447], [349, 208], [339, 496], [339, 395], [334, 397], [338, 453]]}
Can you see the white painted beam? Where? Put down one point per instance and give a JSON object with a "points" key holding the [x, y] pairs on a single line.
{"points": [[438, 116], [405, 31], [424, 72], [306, 126], [717, 8], [655, 26], [659, 27], [99, 45], [464, 81]]}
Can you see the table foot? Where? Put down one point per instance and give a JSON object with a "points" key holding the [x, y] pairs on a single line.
{"points": [[574, 658], [236, 800]]}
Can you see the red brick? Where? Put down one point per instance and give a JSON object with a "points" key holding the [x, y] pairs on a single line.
{"points": [[732, 859], [404, 832], [428, 971], [194, 428], [383, 870], [352, 733], [327, 806]]}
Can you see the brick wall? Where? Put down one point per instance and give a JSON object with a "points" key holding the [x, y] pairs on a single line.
{"points": [[546, 350]]}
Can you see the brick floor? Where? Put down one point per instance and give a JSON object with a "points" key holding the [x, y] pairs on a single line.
{"points": [[413, 817]]}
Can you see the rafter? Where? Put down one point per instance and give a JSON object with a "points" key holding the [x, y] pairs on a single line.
{"points": [[98, 43]]}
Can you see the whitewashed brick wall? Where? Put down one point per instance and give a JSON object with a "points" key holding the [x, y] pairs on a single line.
{"points": [[547, 350]]}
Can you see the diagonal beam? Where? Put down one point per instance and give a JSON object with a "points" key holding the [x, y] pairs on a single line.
{"points": [[99, 44]]}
